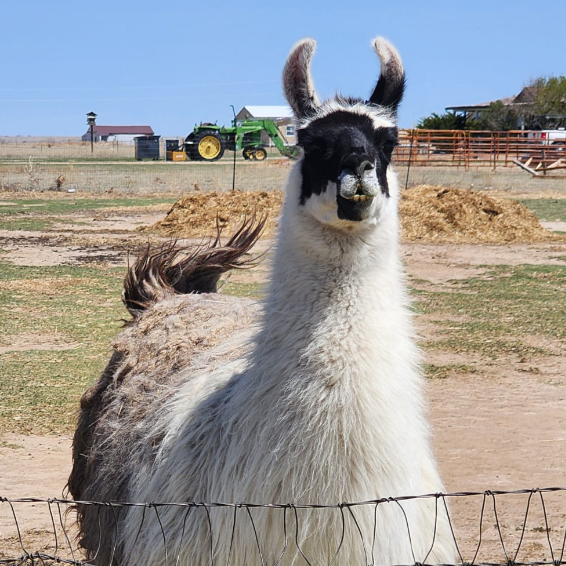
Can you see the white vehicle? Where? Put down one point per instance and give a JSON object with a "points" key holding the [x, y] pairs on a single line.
{"points": [[552, 137]]}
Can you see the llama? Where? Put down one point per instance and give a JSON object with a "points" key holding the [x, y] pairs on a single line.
{"points": [[314, 398]]}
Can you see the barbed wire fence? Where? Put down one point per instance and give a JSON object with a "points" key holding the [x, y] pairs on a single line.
{"points": [[524, 527]]}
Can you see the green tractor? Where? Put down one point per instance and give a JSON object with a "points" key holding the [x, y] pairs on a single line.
{"points": [[208, 142]]}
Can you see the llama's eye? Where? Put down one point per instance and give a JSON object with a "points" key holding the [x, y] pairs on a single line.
{"points": [[312, 150], [385, 144], [388, 147], [316, 147]]}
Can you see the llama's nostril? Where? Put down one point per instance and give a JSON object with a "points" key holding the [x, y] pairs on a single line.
{"points": [[363, 167]]}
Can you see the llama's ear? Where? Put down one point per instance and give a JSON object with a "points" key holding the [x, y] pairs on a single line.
{"points": [[391, 84], [297, 81]]}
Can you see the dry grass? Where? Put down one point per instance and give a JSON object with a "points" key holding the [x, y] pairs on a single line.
{"points": [[429, 213]]}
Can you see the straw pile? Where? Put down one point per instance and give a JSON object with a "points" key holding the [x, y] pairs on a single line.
{"points": [[432, 213], [429, 213], [198, 214]]}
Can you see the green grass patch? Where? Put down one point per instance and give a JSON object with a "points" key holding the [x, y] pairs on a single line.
{"points": [[76, 311], [433, 371], [44, 159], [251, 290], [547, 209], [10, 445], [498, 310], [62, 206], [41, 214], [32, 224]]}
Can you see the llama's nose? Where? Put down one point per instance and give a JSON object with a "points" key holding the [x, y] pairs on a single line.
{"points": [[358, 163]]}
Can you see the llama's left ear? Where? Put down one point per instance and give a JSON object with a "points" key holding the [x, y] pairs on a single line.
{"points": [[391, 84], [297, 81]]}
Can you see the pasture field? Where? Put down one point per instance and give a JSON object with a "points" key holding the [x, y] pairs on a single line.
{"points": [[62, 264], [491, 321]]}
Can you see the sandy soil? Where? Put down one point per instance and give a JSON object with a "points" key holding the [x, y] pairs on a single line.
{"points": [[499, 429]]}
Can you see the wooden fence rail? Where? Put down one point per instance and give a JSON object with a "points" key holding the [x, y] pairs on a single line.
{"points": [[480, 149]]}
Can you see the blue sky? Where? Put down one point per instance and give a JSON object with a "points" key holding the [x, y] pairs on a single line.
{"points": [[173, 64]]}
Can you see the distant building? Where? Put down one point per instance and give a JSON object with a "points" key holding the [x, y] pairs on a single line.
{"points": [[117, 133], [474, 111], [281, 115]]}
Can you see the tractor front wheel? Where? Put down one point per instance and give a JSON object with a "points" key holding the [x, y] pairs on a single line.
{"points": [[260, 154], [209, 146], [248, 153]]}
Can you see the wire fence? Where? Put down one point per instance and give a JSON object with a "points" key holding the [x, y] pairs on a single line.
{"points": [[112, 166], [494, 528], [108, 166]]}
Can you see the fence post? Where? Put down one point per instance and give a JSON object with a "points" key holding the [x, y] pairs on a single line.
{"points": [[235, 144], [410, 157]]}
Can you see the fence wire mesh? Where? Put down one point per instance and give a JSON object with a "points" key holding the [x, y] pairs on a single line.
{"points": [[524, 527], [39, 164], [63, 166]]}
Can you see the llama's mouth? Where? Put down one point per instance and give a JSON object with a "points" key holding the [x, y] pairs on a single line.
{"points": [[358, 198], [355, 208]]}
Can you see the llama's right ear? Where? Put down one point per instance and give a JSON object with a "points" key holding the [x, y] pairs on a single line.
{"points": [[391, 84], [297, 81]]}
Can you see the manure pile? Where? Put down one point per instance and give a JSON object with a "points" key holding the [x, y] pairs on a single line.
{"points": [[433, 213], [429, 213]]}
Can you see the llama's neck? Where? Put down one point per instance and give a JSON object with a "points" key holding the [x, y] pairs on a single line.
{"points": [[336, 300], [318, 267], [336, 354]]}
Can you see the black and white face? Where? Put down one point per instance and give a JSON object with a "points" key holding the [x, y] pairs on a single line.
{"points": [[345, 164], [347, 142]]}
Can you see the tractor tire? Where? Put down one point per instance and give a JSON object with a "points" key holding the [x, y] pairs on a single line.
{"points": [[260, 154], [191, 148], [208, 146], [247, 153]]}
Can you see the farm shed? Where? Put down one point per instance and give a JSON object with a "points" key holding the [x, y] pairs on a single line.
{"points": [[117, 133], [281, 115]]}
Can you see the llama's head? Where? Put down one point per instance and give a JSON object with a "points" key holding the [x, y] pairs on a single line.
{"points": [[347, 142]]}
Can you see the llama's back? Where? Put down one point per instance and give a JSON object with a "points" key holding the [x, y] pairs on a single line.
{"points": [[172, 336]]}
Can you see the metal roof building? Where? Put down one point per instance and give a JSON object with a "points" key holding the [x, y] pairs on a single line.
{"points": [[117, 133]]}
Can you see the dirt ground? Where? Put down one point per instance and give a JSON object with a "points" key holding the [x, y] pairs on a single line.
{"points": [[498, 429]]}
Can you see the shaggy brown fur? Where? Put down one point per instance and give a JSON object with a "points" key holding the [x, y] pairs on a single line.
{"points": [[170, 332], [161, 272]]}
